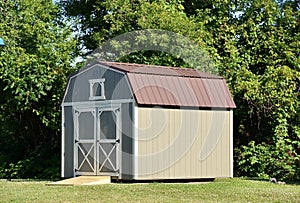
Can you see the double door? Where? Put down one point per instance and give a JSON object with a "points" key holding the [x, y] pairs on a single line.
{"points": [[97, 138]]}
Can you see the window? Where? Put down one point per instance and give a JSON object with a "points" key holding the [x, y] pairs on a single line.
{"points": [[97, 89]]}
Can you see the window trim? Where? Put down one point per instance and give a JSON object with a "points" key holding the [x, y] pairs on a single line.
{"points": [[101, 83]]}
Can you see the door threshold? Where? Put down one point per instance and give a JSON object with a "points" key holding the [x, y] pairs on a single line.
{"points": [[82, 180]]}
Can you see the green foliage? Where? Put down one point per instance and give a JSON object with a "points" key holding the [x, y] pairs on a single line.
{"points": [[267, 88], [254, 45], [38, 165], [265, 160], [34, 65], [154, 58]]}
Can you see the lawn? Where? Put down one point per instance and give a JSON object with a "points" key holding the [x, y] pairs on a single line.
{"points": [[221, 190]]}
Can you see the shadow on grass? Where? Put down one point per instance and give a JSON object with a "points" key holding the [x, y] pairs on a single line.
{"points": [[289, 182], [202, 180]]}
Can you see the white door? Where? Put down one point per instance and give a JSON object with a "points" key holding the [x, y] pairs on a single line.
{"points": [[97, 133], [108, 143]]}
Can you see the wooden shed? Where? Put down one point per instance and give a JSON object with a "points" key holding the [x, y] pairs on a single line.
{"points": [[146, 122]]}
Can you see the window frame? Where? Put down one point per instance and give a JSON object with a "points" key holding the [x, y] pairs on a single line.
{"points": [[100, 82]]}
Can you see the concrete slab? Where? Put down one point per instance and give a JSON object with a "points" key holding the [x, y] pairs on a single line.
{"points": [[82, 180]]}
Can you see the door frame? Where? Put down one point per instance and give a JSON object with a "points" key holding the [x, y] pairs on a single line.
{"points": [[116, 109]]}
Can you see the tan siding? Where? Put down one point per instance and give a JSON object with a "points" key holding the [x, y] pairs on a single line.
{"points": [[172, 136], [203, 147], [175, 143]]}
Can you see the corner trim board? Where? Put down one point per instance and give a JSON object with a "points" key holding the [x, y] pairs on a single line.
{"points": [[136, 147], [231, 142]]}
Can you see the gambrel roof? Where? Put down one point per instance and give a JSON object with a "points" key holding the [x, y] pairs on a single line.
{"points": [[173, 86]]}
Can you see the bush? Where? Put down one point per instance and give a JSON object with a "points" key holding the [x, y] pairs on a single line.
{"points": [[43, 163], [265, 160]]}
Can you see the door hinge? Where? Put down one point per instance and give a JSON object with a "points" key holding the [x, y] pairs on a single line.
{"points": [[76, 141]]}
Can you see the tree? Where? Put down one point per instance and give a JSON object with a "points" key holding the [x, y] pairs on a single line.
{"points": [[34, 65], [255, 45], [267, 87]]}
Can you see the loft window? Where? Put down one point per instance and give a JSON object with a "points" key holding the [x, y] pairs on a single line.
{"points": [[97, 89]]}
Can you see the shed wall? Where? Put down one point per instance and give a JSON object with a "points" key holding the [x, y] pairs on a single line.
{"points": [[126, 169], [182, 144], [77, 95], [68, 143], [115, 85]]}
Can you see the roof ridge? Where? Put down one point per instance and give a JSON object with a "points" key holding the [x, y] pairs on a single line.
{"points": [[186, 76], [178, 71]]}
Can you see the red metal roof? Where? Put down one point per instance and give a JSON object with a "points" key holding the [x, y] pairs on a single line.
{"points": [[172, 86]]}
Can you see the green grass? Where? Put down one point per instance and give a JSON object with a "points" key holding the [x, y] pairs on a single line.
{"points": [[221, 190]]}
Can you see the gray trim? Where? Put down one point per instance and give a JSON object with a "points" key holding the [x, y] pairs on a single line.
{"points": [[119, 129], [129, 86], [135, 140], [97, 103], [63, 142]]}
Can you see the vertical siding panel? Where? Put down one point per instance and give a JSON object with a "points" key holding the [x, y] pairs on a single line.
{"points": [[172, 136], [141, 144], [210, 131], [152, 141], [203, 147], [214, 126], [145, 147], [189, 149], [164, 146], [178, 168], [157, 121], [176, 145], [198, 171], [209, 155], [193, 139], [224, 152], [167, 144], [220, 125], [193, 142], [206, 134], [184, 134], [198, 145], [149, 168], [215, 145], [226, 148], [150, 162], [159, 142]]}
